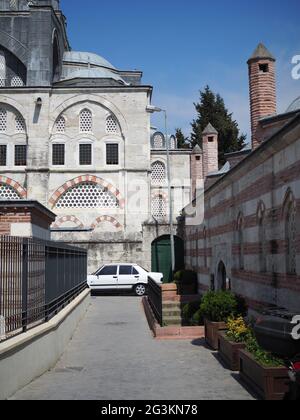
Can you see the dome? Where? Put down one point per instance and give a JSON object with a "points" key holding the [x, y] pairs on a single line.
{"points": [[295, 106], [87, 58], [95, 73]]}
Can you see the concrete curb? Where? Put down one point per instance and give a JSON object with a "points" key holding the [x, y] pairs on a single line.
{"points": [[29, 355]]}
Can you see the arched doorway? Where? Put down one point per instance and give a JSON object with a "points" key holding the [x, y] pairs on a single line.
{"points": [[223, 281], [161, 256]]}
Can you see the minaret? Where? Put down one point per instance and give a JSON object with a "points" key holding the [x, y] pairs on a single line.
{"points": [[210, 150], [262, 80], [196, 170]]}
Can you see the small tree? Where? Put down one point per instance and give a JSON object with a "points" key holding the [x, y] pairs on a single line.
{"points": [[183, 142], [211, 109]]}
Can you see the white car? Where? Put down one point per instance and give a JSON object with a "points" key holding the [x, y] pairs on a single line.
{"points": [[122, 277]]}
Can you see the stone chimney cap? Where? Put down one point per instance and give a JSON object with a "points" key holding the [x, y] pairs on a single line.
{"points": [[209, 130], [197, 150], [261, 52]]}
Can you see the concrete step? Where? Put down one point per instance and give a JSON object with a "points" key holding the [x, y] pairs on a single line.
{"points": [[172, 320], [172, 312]]}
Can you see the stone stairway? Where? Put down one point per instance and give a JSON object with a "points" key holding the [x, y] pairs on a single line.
{"points": [[171, 313]]}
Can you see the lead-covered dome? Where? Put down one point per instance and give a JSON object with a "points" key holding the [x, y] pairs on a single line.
{"points": [[86, 58]]}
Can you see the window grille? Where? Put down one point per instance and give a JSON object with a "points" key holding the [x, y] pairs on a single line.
{"points": [[20, 155], [3, 154], [8, 193], [158, 173], [112, 154], [58, 154], [60, 125], [158, 141], [85, 154], [20, 124], [3, 120], [86, 121], [14, 4], [16, 82], [159, 207], [111, 125], [88, 196]]}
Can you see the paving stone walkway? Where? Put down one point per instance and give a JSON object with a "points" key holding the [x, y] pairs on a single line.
{"points": [[113, 356]]}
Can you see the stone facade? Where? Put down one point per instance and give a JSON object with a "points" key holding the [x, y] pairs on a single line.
{"points": [[75, 135], [247, 230]]}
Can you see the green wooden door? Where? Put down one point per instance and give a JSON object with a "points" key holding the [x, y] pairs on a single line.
{"points": [[161, 256]]}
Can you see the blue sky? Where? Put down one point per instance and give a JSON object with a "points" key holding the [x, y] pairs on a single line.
{"points": [[183, 45]]}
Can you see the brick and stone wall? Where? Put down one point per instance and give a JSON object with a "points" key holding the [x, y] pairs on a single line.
{"points": [[255, 196]]}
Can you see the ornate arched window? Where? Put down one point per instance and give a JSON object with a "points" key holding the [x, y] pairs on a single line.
{"points": [[60, 125], [158, 173], [158, 141], [3, 120], [159, 207], [7, 192], [2, 69], [87, 196], [86, 121], [16, 81], [172, 143], [261, 219], [20, 124], [111, 125], [291, 235], [240, 229]]}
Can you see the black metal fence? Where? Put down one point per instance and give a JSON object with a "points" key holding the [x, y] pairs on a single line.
{"points": [[37, 280], [155, 299]]}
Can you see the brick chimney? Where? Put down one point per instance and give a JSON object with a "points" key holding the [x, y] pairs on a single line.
{"points": [[196, 170], [262, 81], [210, 150]]}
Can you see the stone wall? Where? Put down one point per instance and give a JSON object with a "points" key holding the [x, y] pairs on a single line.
{"points": [[245, 226]]}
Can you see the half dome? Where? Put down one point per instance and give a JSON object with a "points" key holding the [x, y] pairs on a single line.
{"points": [[295, 105], [87, 58]]}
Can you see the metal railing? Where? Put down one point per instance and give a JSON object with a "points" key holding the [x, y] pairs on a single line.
{"points": [[155, 299], [37, 280]]}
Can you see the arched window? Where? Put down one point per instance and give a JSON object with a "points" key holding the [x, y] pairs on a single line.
{"points": [[159, 207], [262, 238], [87, 196], [86, 121], [290, 237], [172, 143], [3, 120], [16, 82], [8, 193], [20, 124], [60, 124], [2, 69], [111, 125], [158, 173], [240, 229], [158, 141]]}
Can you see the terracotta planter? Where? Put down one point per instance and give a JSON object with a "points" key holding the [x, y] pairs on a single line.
{"points": [[212, 330], [269, 383], [229, 352]]}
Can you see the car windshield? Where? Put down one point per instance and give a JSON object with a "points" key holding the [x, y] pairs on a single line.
{"points": [[144, 269]]}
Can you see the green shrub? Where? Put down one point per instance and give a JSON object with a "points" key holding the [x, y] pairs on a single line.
{"points": [[197, 318], [189, 310], [263, 357], [219, 306], [185, 276]]}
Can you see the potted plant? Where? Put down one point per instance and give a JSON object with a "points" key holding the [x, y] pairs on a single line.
{"points": [[187, 282], [232, 341], [262, 371], [216, 308]]}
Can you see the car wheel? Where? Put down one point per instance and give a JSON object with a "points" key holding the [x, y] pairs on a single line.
{"points": [[140, 290]]}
